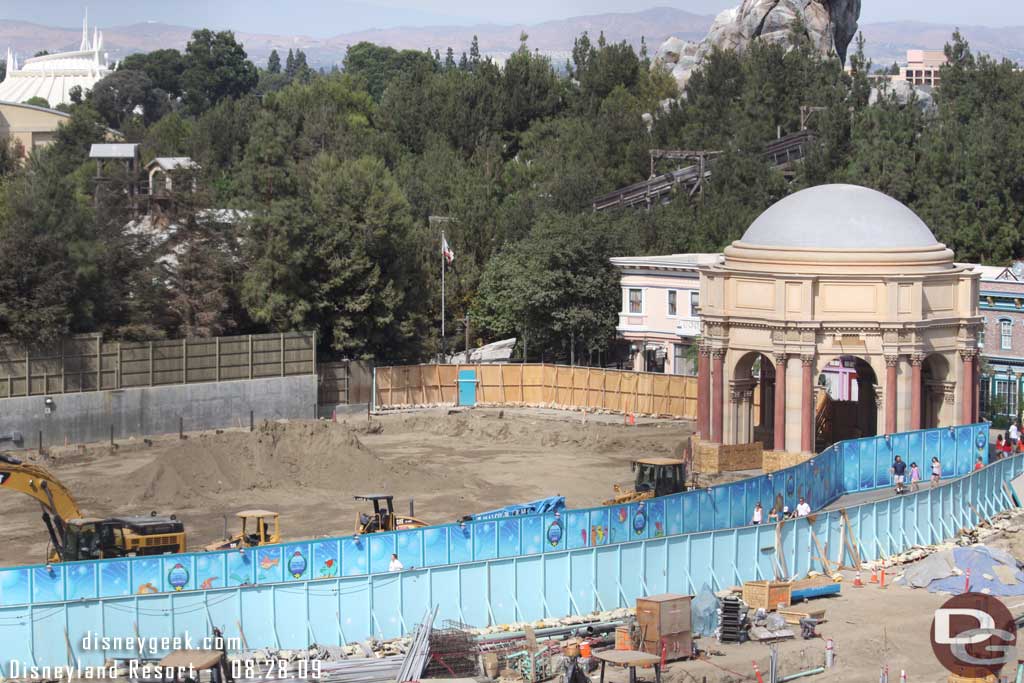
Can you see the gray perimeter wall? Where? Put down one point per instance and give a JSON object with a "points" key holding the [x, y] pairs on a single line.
{"points": [[88, 417]]}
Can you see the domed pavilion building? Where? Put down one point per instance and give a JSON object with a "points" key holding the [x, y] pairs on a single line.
{"points": [[835, 273]]}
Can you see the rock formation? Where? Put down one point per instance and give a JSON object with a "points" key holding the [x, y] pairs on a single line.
{"points": [[829, 24]]}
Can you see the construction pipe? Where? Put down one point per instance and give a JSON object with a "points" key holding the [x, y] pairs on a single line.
{"points": [[801, 674], [1020, 671], [594, 627]]}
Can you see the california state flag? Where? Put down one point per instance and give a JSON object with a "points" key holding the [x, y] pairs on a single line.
{"points": [[446, 251]]}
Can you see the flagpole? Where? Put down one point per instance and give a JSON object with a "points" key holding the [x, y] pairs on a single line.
{"points": [[442, 293]]}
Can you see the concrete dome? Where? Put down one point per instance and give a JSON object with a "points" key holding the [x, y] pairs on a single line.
{"points": [[839, 217]]}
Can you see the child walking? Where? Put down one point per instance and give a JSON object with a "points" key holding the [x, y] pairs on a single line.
{"points": [[915, 477]]}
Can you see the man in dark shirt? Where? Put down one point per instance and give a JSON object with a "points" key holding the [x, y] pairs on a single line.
{"points": [[899, 469]]}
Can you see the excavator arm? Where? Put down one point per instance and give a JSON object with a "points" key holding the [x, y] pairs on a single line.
{"points": [[57, 502]]}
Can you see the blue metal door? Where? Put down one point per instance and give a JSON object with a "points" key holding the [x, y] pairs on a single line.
{"points": [[467, 387]]}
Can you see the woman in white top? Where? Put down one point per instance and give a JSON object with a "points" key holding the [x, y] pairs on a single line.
{"points": [[758, 514], [395, 565], [936, 471]]}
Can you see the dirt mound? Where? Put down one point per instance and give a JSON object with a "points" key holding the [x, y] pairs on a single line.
{"points": [[276, 456]]}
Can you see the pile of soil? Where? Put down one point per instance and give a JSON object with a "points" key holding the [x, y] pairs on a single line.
{"points": [[276, 457]]}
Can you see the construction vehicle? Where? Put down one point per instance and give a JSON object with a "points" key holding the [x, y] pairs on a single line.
{"points": [[75, 537], [537, 507], [384, 517], [259, 527], [654, 477]]}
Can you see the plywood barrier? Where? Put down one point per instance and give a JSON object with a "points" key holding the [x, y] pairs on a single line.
{"points": [[712, 458], [773, 461], [540, 385]]}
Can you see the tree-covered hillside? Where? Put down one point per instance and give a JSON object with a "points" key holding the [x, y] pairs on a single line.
{"points": [[333, 177]]}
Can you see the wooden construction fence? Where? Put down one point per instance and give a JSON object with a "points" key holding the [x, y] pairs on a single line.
{"points": [[90, 363], [561, 386], [344, 382]]}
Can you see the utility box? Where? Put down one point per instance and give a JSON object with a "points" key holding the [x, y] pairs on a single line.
{"points": [[664, 623]]}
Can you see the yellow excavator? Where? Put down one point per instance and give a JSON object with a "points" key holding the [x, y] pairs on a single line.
{"points": [[75, 537], [654, 477]]}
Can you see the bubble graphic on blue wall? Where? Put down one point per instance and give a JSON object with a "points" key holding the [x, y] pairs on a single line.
{"points": [[178, 576], [555, 533], [297, 564]]}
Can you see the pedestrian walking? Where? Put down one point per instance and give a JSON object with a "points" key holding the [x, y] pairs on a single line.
{"points": [[1014, 434], [802, 508], [899, 471], [936, 471], [915, 477], [978, 465], [758, 516], [773, 515]]}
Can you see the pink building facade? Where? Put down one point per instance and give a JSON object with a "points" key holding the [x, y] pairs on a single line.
{"points": [[659, 317]]}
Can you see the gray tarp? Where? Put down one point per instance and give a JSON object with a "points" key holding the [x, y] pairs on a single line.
{"points": [[934, 567]]}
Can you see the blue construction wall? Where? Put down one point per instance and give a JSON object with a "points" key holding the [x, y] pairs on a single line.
{"points": [[497, 571]]}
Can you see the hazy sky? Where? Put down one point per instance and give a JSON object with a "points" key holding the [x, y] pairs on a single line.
{"points": [[320, 18]]}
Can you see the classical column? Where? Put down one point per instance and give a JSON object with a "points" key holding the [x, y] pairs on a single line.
{"points": [[916, 361], [704, 392], [807, 413], [780, 401], [718, 393], [890, 393], [967, 387]]}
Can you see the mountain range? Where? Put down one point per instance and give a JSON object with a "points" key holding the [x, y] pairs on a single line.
{"points": [[886, 42]]}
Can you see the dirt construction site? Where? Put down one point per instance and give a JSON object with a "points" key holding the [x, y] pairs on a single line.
{"points": [[452, 463]]}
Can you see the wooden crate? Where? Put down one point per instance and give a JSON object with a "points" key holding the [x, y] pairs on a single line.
{"points": [[664, 622], [767, 594]]}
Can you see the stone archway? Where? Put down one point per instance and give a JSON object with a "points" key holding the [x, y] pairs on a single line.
{"points": [[937, 392], [753, 377], [851, 410]]}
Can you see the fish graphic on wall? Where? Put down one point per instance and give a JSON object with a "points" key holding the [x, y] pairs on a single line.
{"points": [[147, 587], [207, 583], [269, 562]]}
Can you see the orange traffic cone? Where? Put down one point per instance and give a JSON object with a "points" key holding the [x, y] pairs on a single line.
{"points": [[882, 579], [857, 583], [874, 576]]}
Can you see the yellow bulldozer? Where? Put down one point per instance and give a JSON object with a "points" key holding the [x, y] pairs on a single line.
{"points": [[384, 517], [259, 527], [654, 477], [75, 537]]}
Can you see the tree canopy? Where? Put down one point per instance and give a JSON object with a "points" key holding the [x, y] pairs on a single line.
{"points": [[310, 206]]}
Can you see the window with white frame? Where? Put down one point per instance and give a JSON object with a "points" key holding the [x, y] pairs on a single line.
{"points": [[981, 333], [673, 308], [636, 301], [1005, 333], [694, 303]]}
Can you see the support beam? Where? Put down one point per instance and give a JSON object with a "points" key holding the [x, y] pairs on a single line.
{"points": [[916, 361], [780, 401], [718, 394], [807, 399], [891, 361], [967, 386], [704, 392]]}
